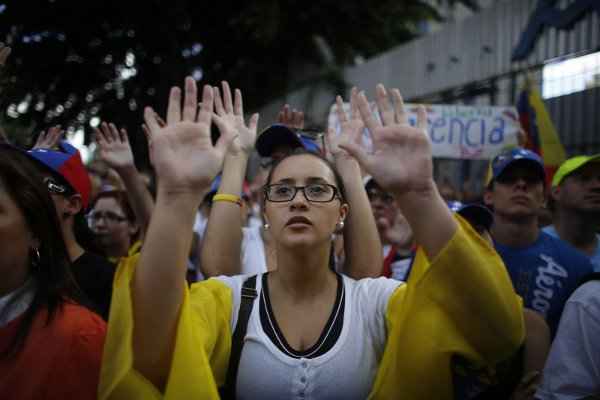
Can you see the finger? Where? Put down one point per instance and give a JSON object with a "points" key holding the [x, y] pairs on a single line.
{"points": [[40, 138], [190, 100], [287, 113], [99, 137], [227, 103], [238, 104], [354, 113], [365, 113], [330, 139], [174, 107], [146, 132], [421, 118], [124, 136], [205, 114], [57, 134], [401, 115], [253, 123], [280, 117], [383, 105], [221, 125], [339, 109], [151, 123], [219, 108], [114, 132], [106, 135], [161, 122]]}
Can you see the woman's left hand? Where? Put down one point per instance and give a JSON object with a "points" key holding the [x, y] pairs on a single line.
{"points": [[401, 159], [351, 128]]}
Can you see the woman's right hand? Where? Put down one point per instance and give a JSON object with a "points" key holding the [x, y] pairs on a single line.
{"points": [[183, 155]]}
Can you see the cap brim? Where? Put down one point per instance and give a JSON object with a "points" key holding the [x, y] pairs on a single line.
{"points": [[524, 161], [275, 136]]}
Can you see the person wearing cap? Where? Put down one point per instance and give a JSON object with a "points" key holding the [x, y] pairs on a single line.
{"points": [[544, 270], [230, 249], [67, 181], [575, 205], [394, 232]]}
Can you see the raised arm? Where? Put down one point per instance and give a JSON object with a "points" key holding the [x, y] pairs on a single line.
{"points": [[50, 139], [186, 162], [222, 241], [115, 150], [402, 164], [362, 246]]}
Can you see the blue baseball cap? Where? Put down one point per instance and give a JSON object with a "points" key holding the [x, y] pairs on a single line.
{"points": [[475, 214], [281, 135], [517, 155]]}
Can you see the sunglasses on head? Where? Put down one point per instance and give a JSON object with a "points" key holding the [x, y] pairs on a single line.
{"points": [[55, 187]]}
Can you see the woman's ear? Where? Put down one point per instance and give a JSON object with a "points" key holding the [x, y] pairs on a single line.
{"points": [[344, 209]]}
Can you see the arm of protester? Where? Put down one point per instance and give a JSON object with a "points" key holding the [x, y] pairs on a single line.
{"points": [[291, 117], [222, 241], [362, 246], [401, 163], [4, 53], [185, 162], [49, 140], [115, 150], [537, 346]]}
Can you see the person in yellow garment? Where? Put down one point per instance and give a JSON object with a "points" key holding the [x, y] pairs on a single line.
{"points": [[311, 334]]}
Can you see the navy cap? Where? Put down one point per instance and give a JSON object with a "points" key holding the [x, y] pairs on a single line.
{"points": [[281, 135], [520, 155], [475, 214]]}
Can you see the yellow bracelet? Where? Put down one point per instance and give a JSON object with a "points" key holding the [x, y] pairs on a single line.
{"points": [[232, 198]]}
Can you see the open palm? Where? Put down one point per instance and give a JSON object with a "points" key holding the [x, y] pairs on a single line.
{"points": [[114, 146], [401, 159], [183, 155], [229, 118]]}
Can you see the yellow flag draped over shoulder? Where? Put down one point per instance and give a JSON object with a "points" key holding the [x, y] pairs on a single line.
{"points": [[202, 343]]}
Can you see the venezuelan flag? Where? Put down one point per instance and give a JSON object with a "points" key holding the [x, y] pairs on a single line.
{"points": [[542, 137]]}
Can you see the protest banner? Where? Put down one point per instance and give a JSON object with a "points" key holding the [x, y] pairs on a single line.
{"points": [[458, 131]]}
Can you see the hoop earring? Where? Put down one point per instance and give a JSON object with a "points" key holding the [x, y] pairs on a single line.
{"points": [[36, 258], [266, 226]]}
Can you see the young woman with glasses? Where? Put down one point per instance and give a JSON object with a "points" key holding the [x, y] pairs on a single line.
{"points": [[312, 333]]}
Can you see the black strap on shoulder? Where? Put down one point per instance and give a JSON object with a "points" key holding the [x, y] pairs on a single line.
{"points": [[237, 342]]}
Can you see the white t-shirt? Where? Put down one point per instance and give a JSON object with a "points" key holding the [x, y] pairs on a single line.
{"points": [[572, 370], [253, 252], [345, 371]]}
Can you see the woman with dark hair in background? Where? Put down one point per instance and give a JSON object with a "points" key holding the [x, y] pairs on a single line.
{"points": [[50, 347]]}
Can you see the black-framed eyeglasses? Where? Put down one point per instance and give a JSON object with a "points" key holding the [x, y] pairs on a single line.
{"points": [[55, 187], [108, 216], [314, 192]]}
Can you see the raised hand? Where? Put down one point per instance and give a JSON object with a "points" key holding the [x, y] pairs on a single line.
{"points": [[114, 146], [49, 140], [229, 118], [351, 127], [401, 159], [291, 117], [183, 155], [4, 53]]}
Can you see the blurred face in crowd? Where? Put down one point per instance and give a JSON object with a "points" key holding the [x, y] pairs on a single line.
{"points": [[67, 202], [113, 230], [295, 220], [580, 191], [383, 204], [16, 240], [518, 192]]}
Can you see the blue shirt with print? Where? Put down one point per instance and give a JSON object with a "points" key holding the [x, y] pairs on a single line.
{"points": [[545, 274], [594, 258]]}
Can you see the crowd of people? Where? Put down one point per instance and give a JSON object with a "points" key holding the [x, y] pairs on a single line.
{"points": [[335, 273]]}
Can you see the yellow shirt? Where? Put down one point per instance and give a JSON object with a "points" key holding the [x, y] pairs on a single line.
{"points": [[460, 303]]}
